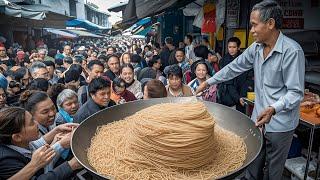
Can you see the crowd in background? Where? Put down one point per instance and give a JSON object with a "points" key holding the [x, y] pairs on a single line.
{"points": [[45, 92]]}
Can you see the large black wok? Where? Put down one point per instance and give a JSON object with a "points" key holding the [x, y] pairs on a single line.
{"points": [[226, 117]]}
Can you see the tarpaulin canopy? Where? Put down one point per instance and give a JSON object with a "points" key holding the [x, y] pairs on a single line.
{"points": [[60, 33], [84, 24], [138, 9], [82, 33], [144, 31], [137, 26], [119, 6], [11, 9]]}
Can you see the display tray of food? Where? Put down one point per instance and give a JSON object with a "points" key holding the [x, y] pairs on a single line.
{"points": [[310, 108]]}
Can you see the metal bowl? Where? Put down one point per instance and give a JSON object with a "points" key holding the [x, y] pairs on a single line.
{"points": [[225, 117]]}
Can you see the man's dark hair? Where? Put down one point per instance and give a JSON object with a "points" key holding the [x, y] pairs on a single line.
{"points": [[20, 73], [168, 40], [157, 45], [59, 62], [181, 50], [49, 63], [175, 70], [102, 57], [71, 75], [154, 60], [270, 9], [76, 67], [236, 40], [189, 37], [94, 62], [68, 60], [39, 84], [205, 39], [98, 84], [201, 51], [138, 50], [112, 55], [79, 58]]}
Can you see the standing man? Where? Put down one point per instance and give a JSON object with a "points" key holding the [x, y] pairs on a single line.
{"points": [[166, 52], [67, 51], [189, 49], [279, 68]]}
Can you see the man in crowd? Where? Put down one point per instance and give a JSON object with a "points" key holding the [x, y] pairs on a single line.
{"points": [[39, 70], [100, 92], [67, 51], [189, 49], [114, 67]]}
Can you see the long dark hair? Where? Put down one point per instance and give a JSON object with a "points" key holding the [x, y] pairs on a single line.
{"points": [[12, 120]]}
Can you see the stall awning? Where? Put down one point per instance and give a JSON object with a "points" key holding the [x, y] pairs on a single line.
{"points": [[60, 33], [137, 26], [81, 23], [11, 9], [119, 6], [82, 33], [144, 31], [137, 9]]}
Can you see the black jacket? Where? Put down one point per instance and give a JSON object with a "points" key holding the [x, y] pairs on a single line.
{"points": [[164, 57], [11, 162], [110, 75], [244, 83], [89, 108], [227, 91]]}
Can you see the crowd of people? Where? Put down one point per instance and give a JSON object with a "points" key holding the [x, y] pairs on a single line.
{"points": [[46, 92]]}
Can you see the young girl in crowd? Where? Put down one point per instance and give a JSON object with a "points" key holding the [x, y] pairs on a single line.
{"points": [[132, 85]]}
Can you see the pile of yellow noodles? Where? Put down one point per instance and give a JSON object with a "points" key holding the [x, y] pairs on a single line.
{"points": [[166, 141]]}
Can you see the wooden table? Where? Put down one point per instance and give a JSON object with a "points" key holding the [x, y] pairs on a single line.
{"points": [[312, 124]]}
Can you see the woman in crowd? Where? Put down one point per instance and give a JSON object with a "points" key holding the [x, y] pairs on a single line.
{"points": [[176, 88], [19, 160], [213, 60], [200, 69], [125, 58], [132, 85], [154, 89], [119, 93], [68, 105]]}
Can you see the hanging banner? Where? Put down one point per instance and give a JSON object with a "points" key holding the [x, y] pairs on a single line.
{"points": [[233, 11], [209, 20], [293, 14]]}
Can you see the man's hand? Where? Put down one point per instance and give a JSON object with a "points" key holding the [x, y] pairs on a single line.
{"points": [[201, 87], [65, 140], [66, 128], [265, 116], [241, 100]]}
